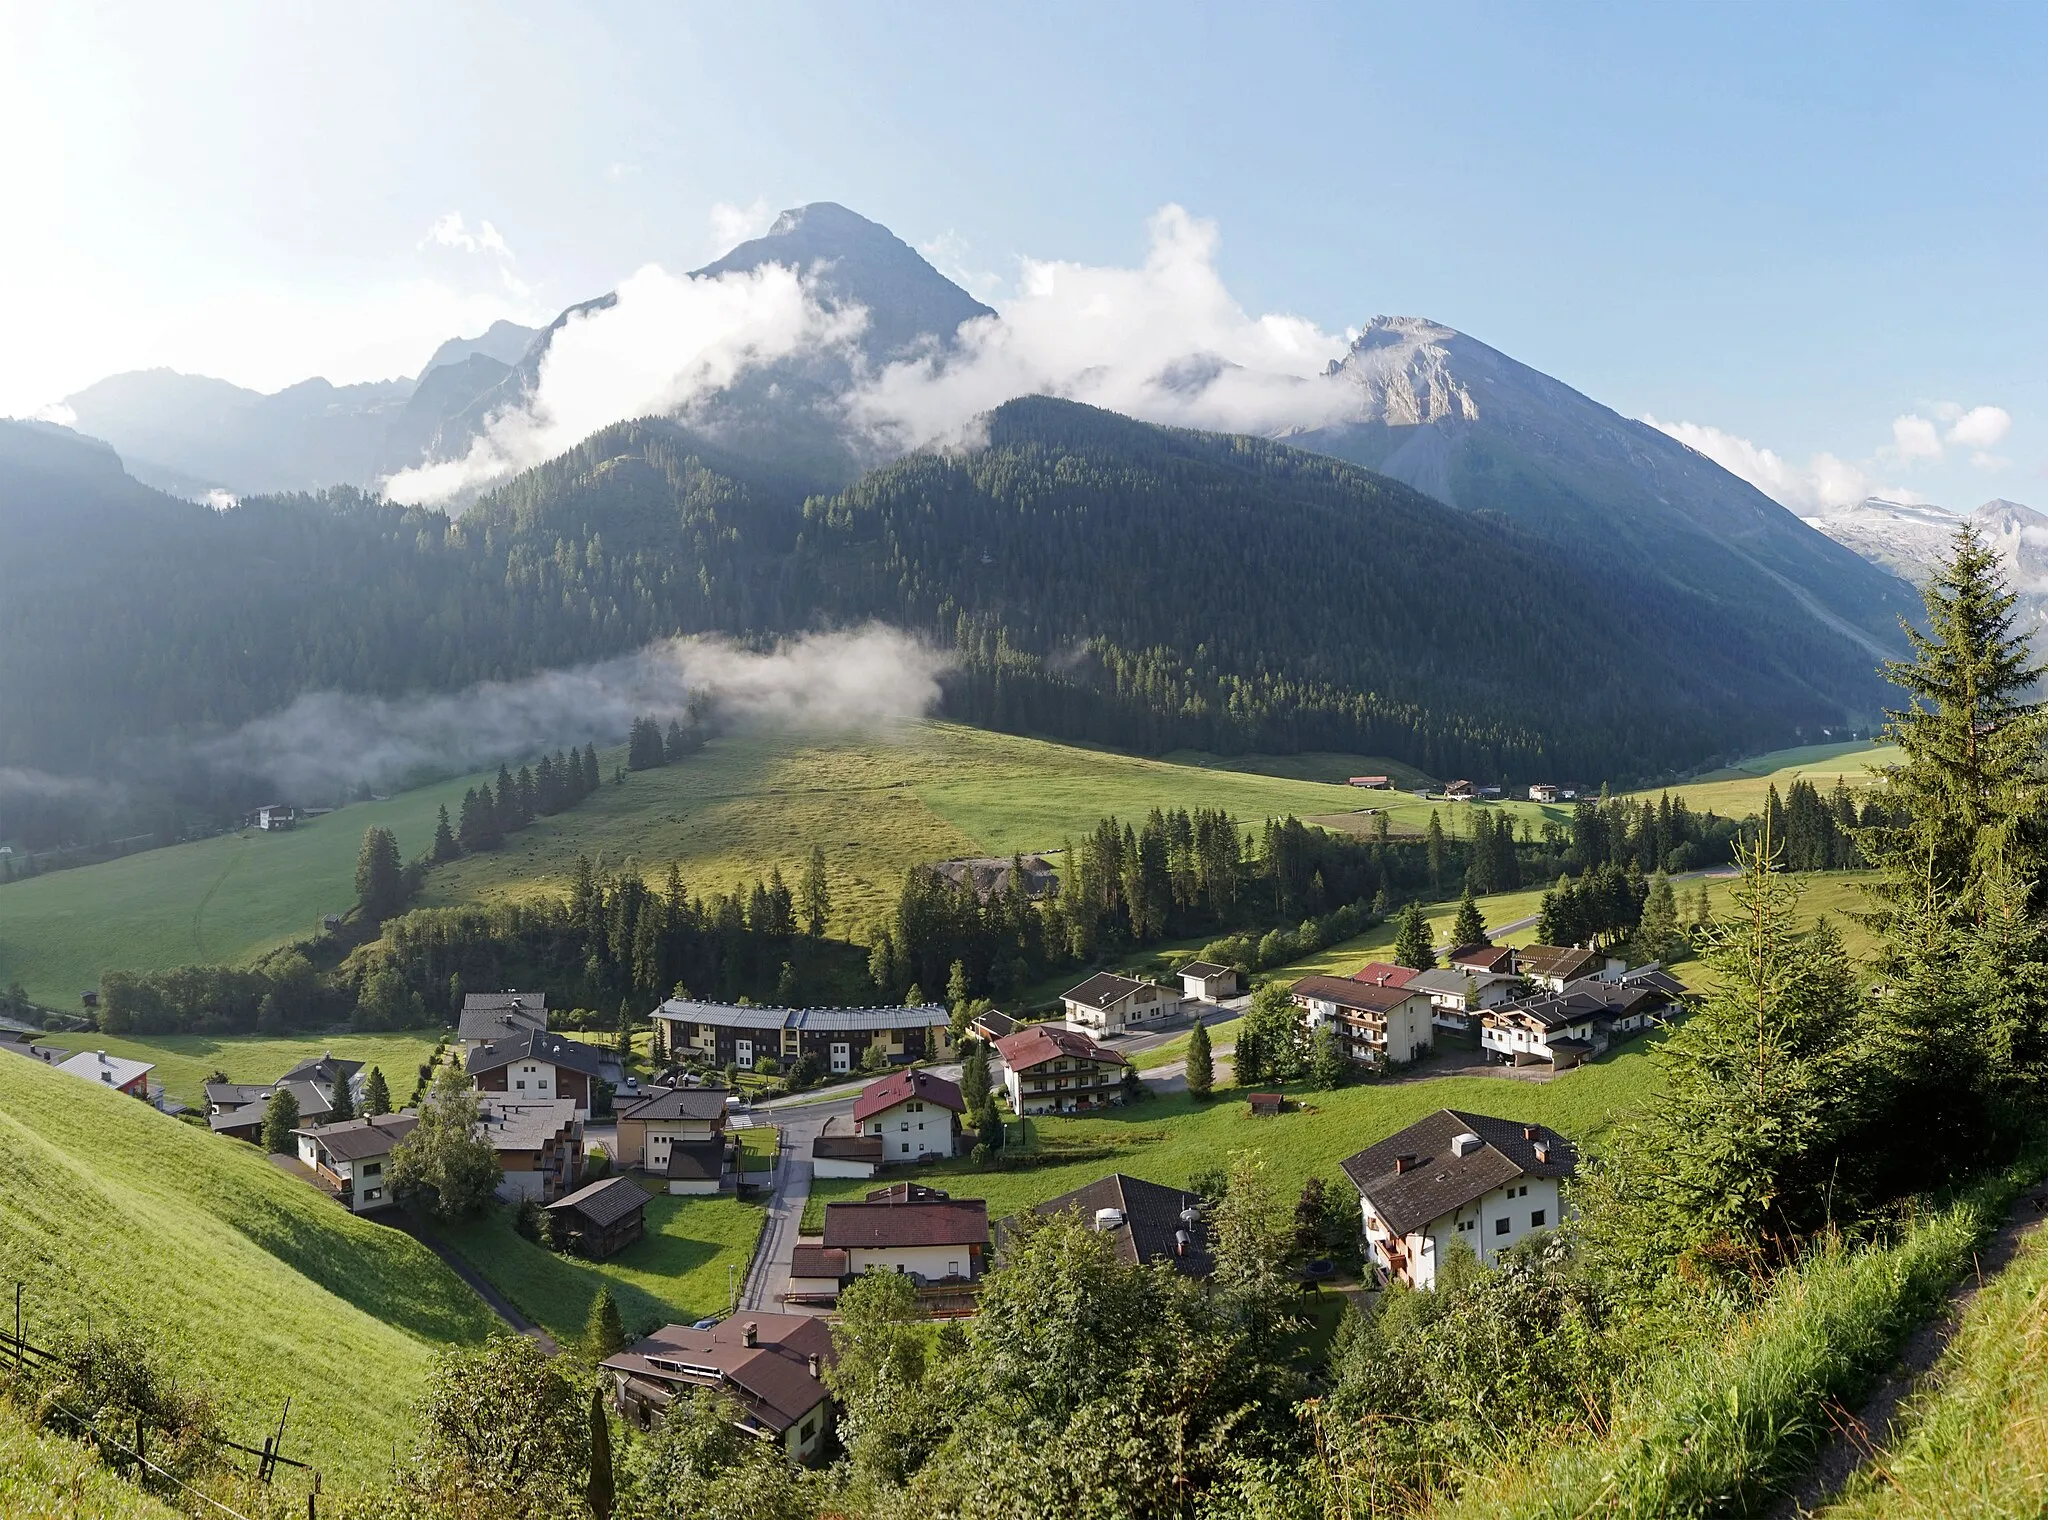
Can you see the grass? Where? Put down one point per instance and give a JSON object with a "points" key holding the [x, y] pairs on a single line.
{"points": [[1739, 790], [757, 1147], [1718, 1428], [252, 1281], [184, 1061], [1170, 1139], [679, 1271], [50, 1477], [1976, 1440]]}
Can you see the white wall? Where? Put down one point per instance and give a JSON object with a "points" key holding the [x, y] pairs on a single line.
{"points": [[912, 1129], [681, 1185], [932, 1261], [1480, 1225], [839, 1167]]}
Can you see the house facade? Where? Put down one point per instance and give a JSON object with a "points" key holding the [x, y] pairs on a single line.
{"points": [[725, 1034], [1458, 997], [1207, 982], [116, 1072], [770, 1367], [1456, 1178], [1556, 966], [1381, 1025], [1108, 1004], [601, 1218], [533, 1065], [353, 1156], [539, 1146], [1048, 1069], [913, 1113]]}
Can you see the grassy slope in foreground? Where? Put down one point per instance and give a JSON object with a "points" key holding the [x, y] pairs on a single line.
{"points": [[256, 1283], [184, 1061], [1170, 1139], [679, 1271], [46, 1477]]}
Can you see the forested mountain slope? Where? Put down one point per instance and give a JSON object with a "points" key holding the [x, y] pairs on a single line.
{"points": [[1100, 579]]}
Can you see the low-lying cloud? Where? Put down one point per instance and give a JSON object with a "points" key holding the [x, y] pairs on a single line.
{"points": [[1166, 342], [326, 744], [665, 341], [1824, 484]]}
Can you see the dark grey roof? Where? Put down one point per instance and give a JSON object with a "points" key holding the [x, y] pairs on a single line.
{"points": [[822, 1020], [530, 1126], [357, 1139], [1657, 979], [604, 1203], [235, 1094], [496, 1015], [674, 1103], [535, 1045], [1152, 1220], [1102, 989], [1204, 968], [1566, 962], [324, 1069], [847, 1148], [696, 1160], [1440, 1180]]}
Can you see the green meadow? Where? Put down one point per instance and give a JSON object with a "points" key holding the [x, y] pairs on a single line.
{"points": [[184, 1061], [248, 1278]]}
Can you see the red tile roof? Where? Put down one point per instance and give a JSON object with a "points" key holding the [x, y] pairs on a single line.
{"points": [[1346, 993], [1384, 974], [901, 1087], [1040, 1043]]}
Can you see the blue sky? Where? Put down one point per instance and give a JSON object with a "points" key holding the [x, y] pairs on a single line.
{"points": [[1791, 225]]}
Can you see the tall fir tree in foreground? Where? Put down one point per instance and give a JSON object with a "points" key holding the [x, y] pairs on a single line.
{"points": [[1412, 944], [376, 1093], [280, 1118], [1469, 928], [380, 875], [1968, 802], [1201, 1063]]}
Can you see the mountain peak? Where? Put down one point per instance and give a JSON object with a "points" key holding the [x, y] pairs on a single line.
{"points": [[1402, 369], [828, 218]]}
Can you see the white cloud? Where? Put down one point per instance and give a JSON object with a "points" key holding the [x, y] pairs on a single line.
{"points": [[947, 253], [1823, 484], [732, 225], [665, 341], [1913, 438], [1165, 341], [451, 231], [1980, 427]]}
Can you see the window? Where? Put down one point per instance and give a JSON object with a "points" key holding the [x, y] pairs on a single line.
{"points": [[1500, 1225], [808, 1428], [373, 1169], [906, 1147], [522, 1085], [1536, 1219], [373, 1195], [952, 1269]]}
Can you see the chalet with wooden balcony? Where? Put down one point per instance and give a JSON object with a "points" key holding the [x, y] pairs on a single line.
{"points": [[1048, 1069], [1381, 1024]]}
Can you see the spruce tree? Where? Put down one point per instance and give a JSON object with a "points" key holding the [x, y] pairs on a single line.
{"points": [[1658, 935], [1412, 945], [342, 1105], [1201, 1063], [1436, 852], [604, 1333], [445, 847], [1327, 1064], [380, 875], [280, 1118], [814, 901], [592, 777], [1969, 799], [1469, 928], [376, 1093]]}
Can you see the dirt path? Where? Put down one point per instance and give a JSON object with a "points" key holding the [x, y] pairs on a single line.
{"points": [[495, 1301], [1861, 1436]]}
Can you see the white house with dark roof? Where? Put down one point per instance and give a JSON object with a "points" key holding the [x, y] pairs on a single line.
{"points": [[352, 1156], [1207, 982], [1457, 1177], [1108, 1004], [1457, 997], [539, 1146], [677, 1133], [1048, 1068], [1380, 1023], [488, 1016], [913, 1113], [730, 1034], [532, 1065]]}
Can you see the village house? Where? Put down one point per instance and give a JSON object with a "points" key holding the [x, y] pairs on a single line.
{"points": [[1456, 1177], [909, 1228], [1495, 958], [993, 876], [276, 815], [1542, 791], [489, 1016], [1554, 966], [601, 1218], [1461, 791], [913, 1113], [836, 1152], [350, 1158], [1051, 1069], [1381, 1024], [1207, 982], [1568, 1027], [1142, 1221], [677, 1133], [25, 1044], [726, 1034], [117, 1072], [1373, 783], [992, 1025], [536, 1065], [1108, 1004], [1385, 974], [539, 1146], [238, 1109], [1457, 997], [770, 1367]]}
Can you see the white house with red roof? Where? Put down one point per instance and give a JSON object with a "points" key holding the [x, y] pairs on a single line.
{"points": [[907, 1228], [1050, 1069], [913, 1113]]}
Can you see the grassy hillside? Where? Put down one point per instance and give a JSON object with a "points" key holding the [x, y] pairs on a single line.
{"points": [[1739, 790], [1170, 1139], [47, 1477], [184, 1061], [253, 1281], [744, 805]]}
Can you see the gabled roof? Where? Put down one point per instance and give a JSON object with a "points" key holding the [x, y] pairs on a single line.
{"points": [[498, 1015], [847, 1148], [535, 1045], [1562, 962], [771, 1379], [1385, 974], [1152, 1222], [674, 1104], [1483, 957], [1105, 989], [696, 1161], [324, 1069], [1439, 1180], [360, 1139], [1204, 969], [881, 1224], [1454, 982], [1368, 997], [818, 1261], [901, 1087], [995, 1025], [109, 1071], [1036, 1044], [230, 1095], [822, 1020], [1657, 979], [604, 1203]]}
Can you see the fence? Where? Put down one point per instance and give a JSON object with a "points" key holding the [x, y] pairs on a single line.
{"points": [[24, 1356]]}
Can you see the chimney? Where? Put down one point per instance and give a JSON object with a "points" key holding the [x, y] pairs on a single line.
{"points": [[815, 1365], [750, 1334], [1543, 1151], [1404, 1164], [1528, 1132]]}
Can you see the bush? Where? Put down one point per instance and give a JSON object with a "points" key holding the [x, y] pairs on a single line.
{"points": [[532, 1220], [597, 1163]]}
